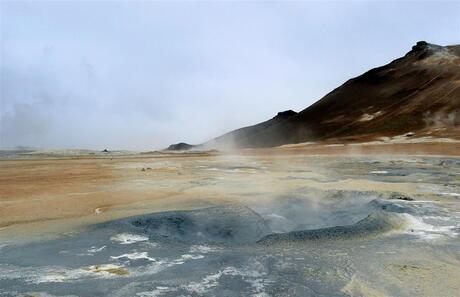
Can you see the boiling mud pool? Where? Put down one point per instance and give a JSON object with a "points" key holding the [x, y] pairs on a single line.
{"points": [[310, 243]]}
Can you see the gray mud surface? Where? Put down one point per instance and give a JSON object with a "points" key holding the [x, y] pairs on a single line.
{"points": [[307, 242]]}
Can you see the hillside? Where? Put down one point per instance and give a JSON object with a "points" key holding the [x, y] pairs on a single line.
{"points": [[418, 93]]}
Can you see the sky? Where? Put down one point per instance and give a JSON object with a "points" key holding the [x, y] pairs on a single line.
{"points": [[142, 75]]}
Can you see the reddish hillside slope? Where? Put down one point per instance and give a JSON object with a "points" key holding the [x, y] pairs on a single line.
{"points": [[419, 92]]}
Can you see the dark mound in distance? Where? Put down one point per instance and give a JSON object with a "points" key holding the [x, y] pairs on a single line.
{"points": [[182, 146]]}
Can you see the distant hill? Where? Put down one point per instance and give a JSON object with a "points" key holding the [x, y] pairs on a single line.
{"points": [[418, 93], [182, 146]]}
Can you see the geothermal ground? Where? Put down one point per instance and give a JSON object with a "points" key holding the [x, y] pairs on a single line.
{"points": [[303, 220]]}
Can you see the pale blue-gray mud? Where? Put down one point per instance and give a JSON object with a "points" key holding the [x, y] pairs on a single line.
{"points": [[309, 242]]}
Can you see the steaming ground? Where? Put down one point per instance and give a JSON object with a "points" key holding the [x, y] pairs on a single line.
{"points": [[251, 224]]}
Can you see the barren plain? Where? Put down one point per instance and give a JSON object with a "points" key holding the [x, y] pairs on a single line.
{"points": [[301, 220]]}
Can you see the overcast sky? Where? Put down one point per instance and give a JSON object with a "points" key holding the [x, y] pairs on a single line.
{"points": [[142, 75]]}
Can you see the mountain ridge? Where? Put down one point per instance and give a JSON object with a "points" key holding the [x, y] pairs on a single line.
{"points": [[418, 93]]}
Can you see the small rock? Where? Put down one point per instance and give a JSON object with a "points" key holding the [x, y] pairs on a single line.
{"points": [[398, 196]]}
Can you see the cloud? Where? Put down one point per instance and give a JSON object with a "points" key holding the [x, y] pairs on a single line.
{"points": [[24, 125], [142, 75]]}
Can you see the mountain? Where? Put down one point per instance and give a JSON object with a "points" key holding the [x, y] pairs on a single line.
{"points": [[418, 93]]}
